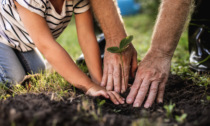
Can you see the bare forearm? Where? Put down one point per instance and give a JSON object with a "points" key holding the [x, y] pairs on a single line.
{"points": [[93, 60], [65, 66], [110, 20], [92, 56], [169, 26], [89, 45]]}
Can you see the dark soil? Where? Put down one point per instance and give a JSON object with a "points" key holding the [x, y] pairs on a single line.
{"points": [[40, 110]]}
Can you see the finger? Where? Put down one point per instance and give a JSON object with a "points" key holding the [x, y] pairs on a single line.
{"points": [[152, 94], [125, 77], [142, 93], [161, 90], [117, 78], [110, 84], [104, 93], [120, 99], [134, 64], [134, 90], [105, 76], [113, 98], [126, 80]]}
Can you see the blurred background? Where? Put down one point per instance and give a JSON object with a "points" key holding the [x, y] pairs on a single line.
{"points": [[139, 18]]}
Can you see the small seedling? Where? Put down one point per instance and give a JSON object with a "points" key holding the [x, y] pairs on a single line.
{"points": [[181, 119], [169, 109], [100, 102], [124, 44], [117, 111], [208, 98]]}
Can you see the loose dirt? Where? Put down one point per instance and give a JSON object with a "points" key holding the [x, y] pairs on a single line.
{"points": [[80, 110]]}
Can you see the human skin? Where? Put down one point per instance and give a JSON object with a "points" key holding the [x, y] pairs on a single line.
{"points": [[112, 25], [153, 70], [93, 56], [59, 58]]}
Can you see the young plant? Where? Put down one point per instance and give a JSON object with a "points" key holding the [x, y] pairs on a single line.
{"points": [[169, 109], [100, 103], [208, 98], [124, 44], [181, 119]]}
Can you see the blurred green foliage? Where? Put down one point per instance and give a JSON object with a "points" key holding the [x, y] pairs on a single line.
{"points": [[149, 7]]}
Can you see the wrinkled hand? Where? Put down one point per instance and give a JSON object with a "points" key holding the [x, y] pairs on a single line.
{"points": [[151, 78], [97, 90], [112, 72]]}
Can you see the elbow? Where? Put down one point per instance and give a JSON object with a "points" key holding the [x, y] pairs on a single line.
{"points": [[44, 45]]}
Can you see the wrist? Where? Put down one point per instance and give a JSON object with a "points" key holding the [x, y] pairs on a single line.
{"points": [[160, 53], [114, 40], [84, 84], [88, 86]]}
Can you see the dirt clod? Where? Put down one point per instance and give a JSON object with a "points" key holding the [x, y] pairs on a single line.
{"points": [[40, 110]]}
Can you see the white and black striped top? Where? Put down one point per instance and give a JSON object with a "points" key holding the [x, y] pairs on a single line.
{"points": [[12, 31]]}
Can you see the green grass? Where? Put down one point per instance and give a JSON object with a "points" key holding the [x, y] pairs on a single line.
{"points": [[141, 27]]}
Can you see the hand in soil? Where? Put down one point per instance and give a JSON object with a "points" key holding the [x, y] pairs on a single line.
{"points": [[97, 90], [151, 77], [113, 78]]}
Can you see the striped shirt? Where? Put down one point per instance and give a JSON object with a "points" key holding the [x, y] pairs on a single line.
{"points": [[12, 31]]}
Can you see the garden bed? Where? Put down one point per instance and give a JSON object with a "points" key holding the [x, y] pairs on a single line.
{"points": [[80, 110]]}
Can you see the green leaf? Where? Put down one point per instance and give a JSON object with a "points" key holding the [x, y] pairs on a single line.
{"points": [[122, 50], [126, 41], [114, 50], [181, 119], [208, 98], [101, 102]]}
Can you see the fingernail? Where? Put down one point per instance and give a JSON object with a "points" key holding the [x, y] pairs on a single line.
{"points": [[102, 84], [122, 102], [160, 100], [129, 100], [136, 105], [117, 90], [117, 103], [146, 105], [109, 88]]}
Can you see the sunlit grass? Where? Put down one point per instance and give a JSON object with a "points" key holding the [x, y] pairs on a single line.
{"points": [[141, 27]]}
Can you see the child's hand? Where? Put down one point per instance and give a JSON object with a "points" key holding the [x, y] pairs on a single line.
{"points": [[97, 90]]}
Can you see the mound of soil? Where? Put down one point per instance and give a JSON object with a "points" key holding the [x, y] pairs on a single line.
{"points": [[40, 110]]}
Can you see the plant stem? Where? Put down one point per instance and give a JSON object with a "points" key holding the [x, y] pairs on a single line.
{"points": [[122, 67], [208, 57]]}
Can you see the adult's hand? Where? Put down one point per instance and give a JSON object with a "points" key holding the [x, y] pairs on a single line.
{"points": [[113, 78], [114, 31], [153, 71], [151, 78]]}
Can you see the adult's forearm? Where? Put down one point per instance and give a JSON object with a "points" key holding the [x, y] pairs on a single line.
{"points": [[169, 26], [110, 20]]}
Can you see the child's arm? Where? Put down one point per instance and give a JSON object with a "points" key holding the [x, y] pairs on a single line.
{"points": [[89, 45], [40, 33]]}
